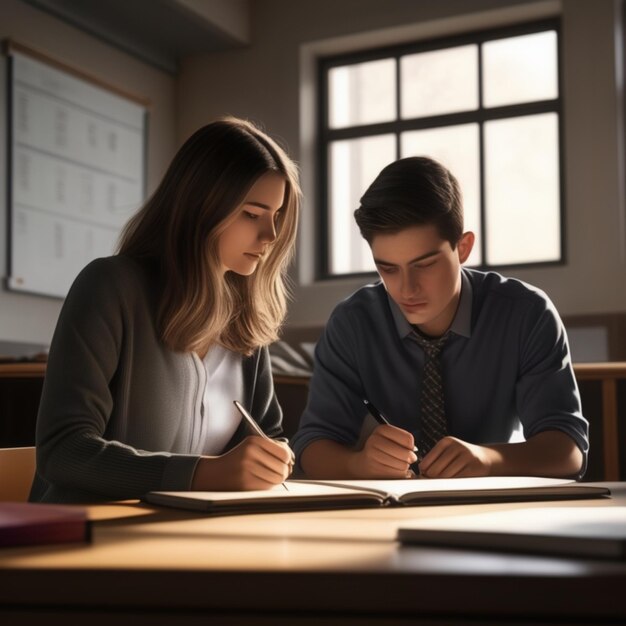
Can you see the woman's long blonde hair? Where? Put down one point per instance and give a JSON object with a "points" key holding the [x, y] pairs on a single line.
{"points": [[178, 230]]}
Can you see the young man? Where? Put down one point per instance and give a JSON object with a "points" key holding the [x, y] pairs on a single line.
{"points": [[455, 359]]}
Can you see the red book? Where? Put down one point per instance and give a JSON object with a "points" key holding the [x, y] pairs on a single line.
{"points": [[25, 523]]}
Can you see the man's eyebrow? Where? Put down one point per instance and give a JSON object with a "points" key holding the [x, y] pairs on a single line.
{"points": [[415, 260]]}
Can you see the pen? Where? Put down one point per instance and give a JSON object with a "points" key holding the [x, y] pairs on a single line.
{"points": [[255, 427], [381, 419]]}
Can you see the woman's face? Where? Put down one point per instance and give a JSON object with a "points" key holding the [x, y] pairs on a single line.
{"points": [[248, 238]]}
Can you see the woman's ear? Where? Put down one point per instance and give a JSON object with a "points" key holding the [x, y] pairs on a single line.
{"points": [[465, 245]]}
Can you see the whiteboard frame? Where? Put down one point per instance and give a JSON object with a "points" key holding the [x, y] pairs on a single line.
{"points": [[56, 286]]}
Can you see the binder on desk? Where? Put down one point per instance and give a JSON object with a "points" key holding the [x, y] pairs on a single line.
{"points": [[598, 532], [340, 494], [25, 523]]}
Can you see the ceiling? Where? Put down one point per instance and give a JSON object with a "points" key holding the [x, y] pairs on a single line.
{"points": [[159, 32]]}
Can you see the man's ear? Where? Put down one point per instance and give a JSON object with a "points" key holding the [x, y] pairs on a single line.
{"points": [[465, 245]]}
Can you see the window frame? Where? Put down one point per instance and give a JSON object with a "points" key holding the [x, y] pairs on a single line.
{"points": [[481, 115]]}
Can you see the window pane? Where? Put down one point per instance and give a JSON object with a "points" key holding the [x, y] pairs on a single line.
{"points": [[442, 81], [362, 94], [456, 147], [353, 166], [520, 69], [522, 190]]}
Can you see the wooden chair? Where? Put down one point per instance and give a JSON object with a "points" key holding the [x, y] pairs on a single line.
{"points": [[608, 375], [17, 469]]}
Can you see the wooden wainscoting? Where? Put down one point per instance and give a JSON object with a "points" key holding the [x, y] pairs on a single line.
{"points": [[602, 388], [20, 391], [603, 395]]}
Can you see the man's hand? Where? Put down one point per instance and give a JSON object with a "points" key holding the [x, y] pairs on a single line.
{"points": [[453, 458], [387, 453], [256, 463], [548, 453]]}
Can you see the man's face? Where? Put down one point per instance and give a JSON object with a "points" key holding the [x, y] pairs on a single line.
{"points": [[421, 272]]}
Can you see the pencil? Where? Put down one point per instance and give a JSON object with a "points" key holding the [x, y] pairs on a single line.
{"points": [[380, 418], [255, 427]]}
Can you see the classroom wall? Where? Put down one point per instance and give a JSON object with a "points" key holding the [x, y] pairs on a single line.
{"points": [[271, 81], [26, 318], [264, 82]]}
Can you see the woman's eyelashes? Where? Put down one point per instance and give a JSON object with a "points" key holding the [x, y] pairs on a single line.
{"points": [[256, 216]]}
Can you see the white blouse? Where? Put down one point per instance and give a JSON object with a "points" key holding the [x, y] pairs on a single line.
{"points": [[216, 418]]}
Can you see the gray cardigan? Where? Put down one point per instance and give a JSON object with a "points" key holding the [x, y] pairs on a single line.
{"points": [[114, 420]]}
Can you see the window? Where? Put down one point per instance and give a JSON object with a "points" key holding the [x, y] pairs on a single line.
{"points": [[487, 105]]}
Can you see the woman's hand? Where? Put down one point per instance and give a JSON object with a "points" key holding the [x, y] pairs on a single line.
{"points": [[255, 463]]}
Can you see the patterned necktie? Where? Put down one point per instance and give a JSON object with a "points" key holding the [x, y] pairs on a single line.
{"points": [[432, 406]]}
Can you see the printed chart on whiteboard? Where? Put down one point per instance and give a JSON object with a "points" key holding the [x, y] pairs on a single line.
{"points": [[77, 174]]}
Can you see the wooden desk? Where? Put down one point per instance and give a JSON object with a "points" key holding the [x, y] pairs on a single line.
{"points": [[313, 568]]}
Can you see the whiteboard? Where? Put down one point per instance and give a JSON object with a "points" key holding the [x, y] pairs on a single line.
{"points": [[77, 173]]}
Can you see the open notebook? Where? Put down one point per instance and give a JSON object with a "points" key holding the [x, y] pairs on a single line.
{"points": [[341, 494]]}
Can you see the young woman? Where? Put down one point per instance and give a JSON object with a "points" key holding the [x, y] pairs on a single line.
{"points": [[153, 344]]}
